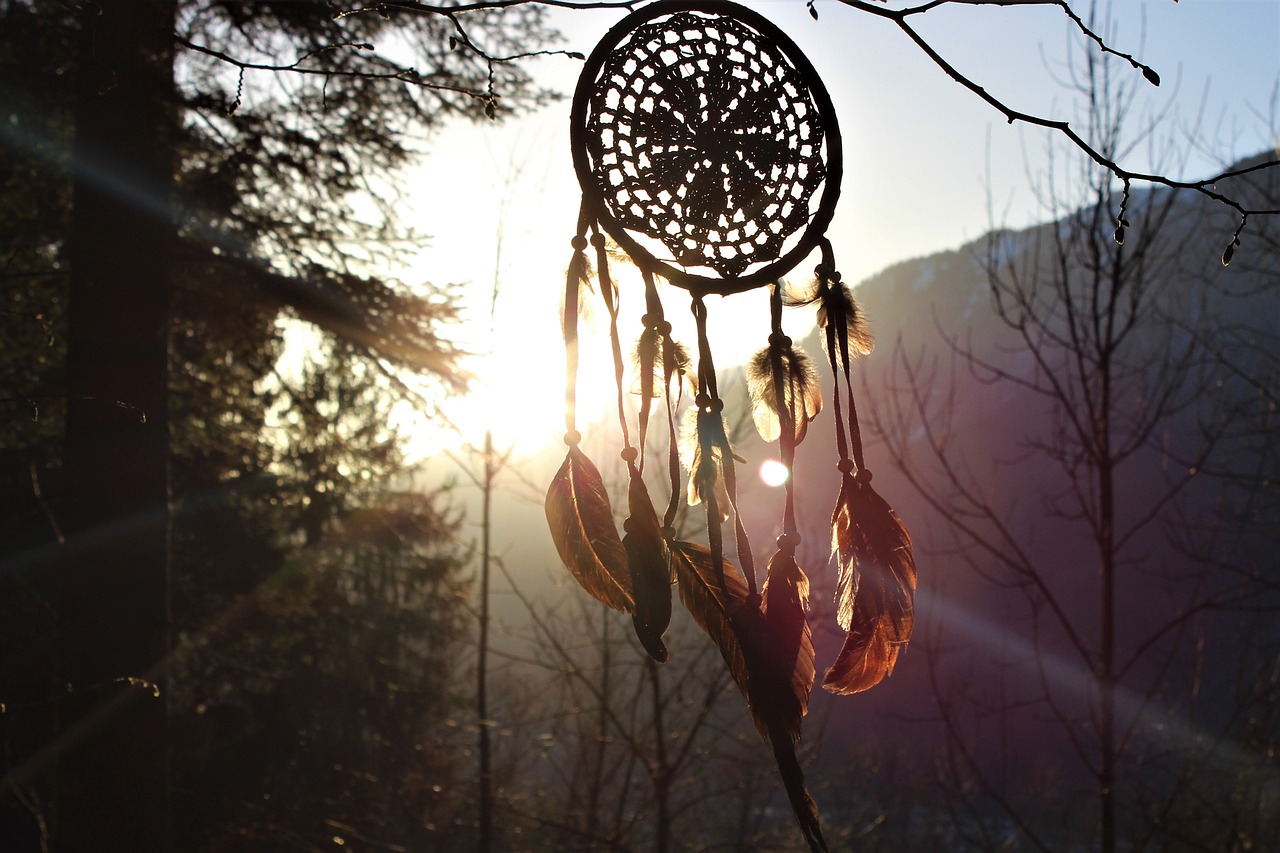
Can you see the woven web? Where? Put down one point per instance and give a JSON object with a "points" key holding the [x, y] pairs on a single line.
{"points": [[702, 135]]}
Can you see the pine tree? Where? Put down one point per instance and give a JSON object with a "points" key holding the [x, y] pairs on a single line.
{"points": [[167, 211]]}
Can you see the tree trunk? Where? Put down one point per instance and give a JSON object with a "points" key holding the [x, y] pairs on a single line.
{"points": [[485, 842], [112, 751]]}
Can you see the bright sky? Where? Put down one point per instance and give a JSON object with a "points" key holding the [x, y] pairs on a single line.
{"points": [[925, 160]]}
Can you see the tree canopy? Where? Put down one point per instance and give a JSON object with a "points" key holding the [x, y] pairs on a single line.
{"points": [[176, 501]]}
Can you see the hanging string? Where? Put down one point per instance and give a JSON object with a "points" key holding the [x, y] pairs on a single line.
{"points": [[610, 294], [655, 337], [670, 369], [711, 435], [673, 455], [830, 328], [574, 277], [706, 367], [838, 309], [855, 432], [842, 443], [715, 536], [786, 394]]}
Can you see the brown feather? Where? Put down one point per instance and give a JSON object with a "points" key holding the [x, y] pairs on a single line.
{"points": [[876, 588], [756, 648], [777, 650], [648, 366], [780, 662], [650, 573], [796, 295], [704, 457], [839, 305], [790, 659], [578, 275], [646, 363], [711, 596], [802, 391], [684, 374], [582, 527], [806, 810]]}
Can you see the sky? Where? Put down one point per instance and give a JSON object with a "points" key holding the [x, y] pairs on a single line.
{"points": [[928, 167]]}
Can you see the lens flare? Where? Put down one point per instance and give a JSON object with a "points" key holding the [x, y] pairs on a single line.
{"points": [[773, 473]]}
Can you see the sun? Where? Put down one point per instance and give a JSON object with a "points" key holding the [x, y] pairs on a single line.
{"points": [[517, 394], [517, 391]]}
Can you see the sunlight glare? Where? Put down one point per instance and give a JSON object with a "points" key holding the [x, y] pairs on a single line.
{"points": [[773, 473]]}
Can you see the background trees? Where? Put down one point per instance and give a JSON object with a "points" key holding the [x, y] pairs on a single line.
{"points": [[161, 466], [1083, 483]]}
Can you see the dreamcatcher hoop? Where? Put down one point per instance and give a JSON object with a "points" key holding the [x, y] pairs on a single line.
{"points": [[698, 126], [708, 149]]}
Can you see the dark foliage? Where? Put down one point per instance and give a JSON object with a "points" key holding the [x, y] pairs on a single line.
{"points": [[314, 611]]}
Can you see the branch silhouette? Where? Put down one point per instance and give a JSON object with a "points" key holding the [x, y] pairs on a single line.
{"points": [[1204, 186]]}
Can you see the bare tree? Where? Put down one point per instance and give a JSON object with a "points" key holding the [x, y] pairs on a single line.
{"points": [[633, 755], [1103, 382]]}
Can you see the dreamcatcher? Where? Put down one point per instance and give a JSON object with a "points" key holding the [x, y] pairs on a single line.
{"points": [[708, 150]]}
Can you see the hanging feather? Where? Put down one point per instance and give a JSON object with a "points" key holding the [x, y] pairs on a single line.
{"points": [[838, 307], [650, 569], [806, 810], [646, 363], [778, 650], [784, 599], [702, 448], [578, 284], [645, 366], [754, 643], [658, 360], [876, 586], [835, 304], [774, 672], [712, 594], [582, 527], [679, 368], [797, 295], [801, 389], [648, 366]]}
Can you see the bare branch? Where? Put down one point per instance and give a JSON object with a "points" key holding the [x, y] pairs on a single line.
{"points": [[1205, 186]]}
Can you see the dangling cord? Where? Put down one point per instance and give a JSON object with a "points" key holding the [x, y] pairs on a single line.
{"points": [[842, 443], [702, 402], [711, 434], [673, 454], [655, 338], [838, 319], [855, 432], [706, 367], [574, 278], [610, 294], [785, 398], [669, 373]]}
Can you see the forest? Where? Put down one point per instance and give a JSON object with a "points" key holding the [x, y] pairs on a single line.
{"points": [[237, 613]]}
